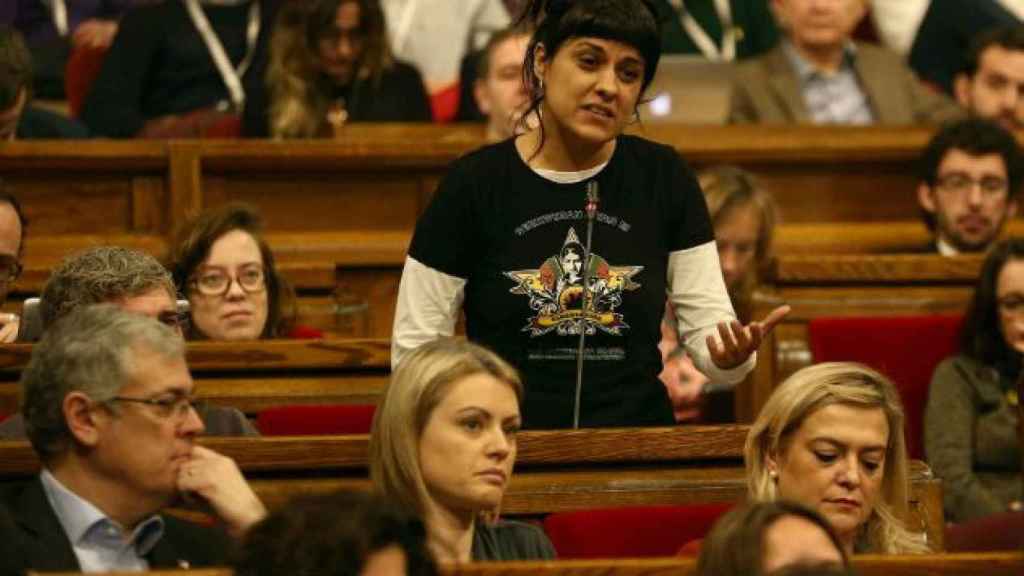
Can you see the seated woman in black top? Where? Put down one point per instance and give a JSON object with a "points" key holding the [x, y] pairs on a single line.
{"points": [[330, 63], [443, 445]]}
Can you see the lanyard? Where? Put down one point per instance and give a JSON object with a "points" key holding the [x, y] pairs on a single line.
{"points": [[707, 47], [60, 16], [404, 23], [232, 76]]}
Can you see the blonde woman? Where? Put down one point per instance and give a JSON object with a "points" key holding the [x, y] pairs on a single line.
{"points": [[744, 216], [831, 438], [443, 445], [330, 64]]}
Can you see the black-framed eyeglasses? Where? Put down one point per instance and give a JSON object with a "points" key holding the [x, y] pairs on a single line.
{"points": [[960, 184], [214, 282], [174, 319], [176, 407]]}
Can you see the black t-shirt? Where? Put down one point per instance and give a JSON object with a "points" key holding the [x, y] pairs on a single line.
{"points": [[517, 239]]}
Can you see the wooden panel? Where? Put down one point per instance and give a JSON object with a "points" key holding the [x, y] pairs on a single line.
{"points": [[962, 564]]}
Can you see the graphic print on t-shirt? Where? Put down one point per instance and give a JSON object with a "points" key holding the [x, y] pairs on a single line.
{"points": [[555, 290]]}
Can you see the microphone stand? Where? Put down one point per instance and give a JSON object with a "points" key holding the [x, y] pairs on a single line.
{"points": [[591, 210]]}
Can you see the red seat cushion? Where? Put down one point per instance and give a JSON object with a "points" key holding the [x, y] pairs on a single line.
{"points": [[642, 531], [904, 348], [998, 532], [316, 420]]}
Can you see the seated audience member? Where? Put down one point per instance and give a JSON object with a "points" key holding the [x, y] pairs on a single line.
{"points": [[971, 417], [726, 31], [19, 119], [443, 445], [763, 537], [498, 90], [340, 534], [12, 241], [135, 282], [991, 84], [179, 68], [330, 63], [434, 37], [225, 268], [107, 401], [744, 217], [54, 27], [970, 177], [818, 75], [830, 437]]}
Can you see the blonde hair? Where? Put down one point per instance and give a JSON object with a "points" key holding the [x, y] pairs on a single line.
{"points": [[417, 386], [816, 387], [727, 189]]}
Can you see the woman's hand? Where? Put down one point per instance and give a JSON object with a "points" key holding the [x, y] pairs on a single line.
{"points": [[738, 342]]}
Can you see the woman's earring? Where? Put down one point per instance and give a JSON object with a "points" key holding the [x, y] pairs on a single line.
{"points": [[540, 85], [773, 475]]}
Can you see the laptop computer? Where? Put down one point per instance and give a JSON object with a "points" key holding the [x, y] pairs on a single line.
{"points": [[688, 89]]}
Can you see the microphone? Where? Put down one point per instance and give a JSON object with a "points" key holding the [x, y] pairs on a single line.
{"points": [[590, 208]]}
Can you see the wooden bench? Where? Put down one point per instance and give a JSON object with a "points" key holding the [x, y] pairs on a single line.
{"points": [[848, 285], [556, 471], [978, 564], [253, 376]]}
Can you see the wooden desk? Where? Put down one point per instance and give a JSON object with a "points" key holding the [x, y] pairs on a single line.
{"points": [[975, 564], [555, 470], [256, 375], [847, 285]]}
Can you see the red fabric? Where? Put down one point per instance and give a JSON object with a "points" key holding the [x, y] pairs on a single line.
{"points": [[445, 104], [300, 332], [3, 416], [998, 532], [227, 127], [642, 531], [316, 420], [82, 69], [904, 348]]}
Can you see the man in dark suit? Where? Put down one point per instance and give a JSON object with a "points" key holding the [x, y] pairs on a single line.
{"points": [[970, 177], [108, 407]]}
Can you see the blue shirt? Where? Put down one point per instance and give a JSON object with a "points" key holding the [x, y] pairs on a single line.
{"points": [[832, 98], [100, 543]]}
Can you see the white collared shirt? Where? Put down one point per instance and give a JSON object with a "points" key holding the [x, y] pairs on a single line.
{"points": [[99, 542]]}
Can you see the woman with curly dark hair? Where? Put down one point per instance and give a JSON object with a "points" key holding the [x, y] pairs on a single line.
{"points": [[330, 64]]}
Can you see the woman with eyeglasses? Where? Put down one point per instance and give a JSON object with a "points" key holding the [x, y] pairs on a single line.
{"points": [[971, 418], [225, 268]]}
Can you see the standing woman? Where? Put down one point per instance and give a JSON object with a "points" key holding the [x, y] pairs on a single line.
{"points": [[505, 236]]}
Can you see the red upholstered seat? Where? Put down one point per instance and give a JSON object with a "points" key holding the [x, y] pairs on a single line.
{"points": [[904, 348], [641, 531], [998, 532], [316, 420], [82, 68]]}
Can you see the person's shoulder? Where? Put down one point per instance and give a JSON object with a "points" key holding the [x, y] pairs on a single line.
{"points": [[879, 56], [518, 540], [400, 69], [482, 161]]}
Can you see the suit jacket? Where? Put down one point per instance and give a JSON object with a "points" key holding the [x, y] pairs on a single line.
{"points": [[767, 90], [40, 543]]}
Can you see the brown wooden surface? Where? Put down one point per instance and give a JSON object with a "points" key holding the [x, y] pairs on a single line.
{"points": [[960, 564], [555, 470], [828, 285]]}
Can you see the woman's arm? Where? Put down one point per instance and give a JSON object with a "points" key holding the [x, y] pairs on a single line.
{"points": [[950, 418], [427, 308]]}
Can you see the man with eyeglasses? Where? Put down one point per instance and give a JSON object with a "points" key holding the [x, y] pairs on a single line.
{"points": [[109, 407], [135, 282], [12, 235], [970, 177]]}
